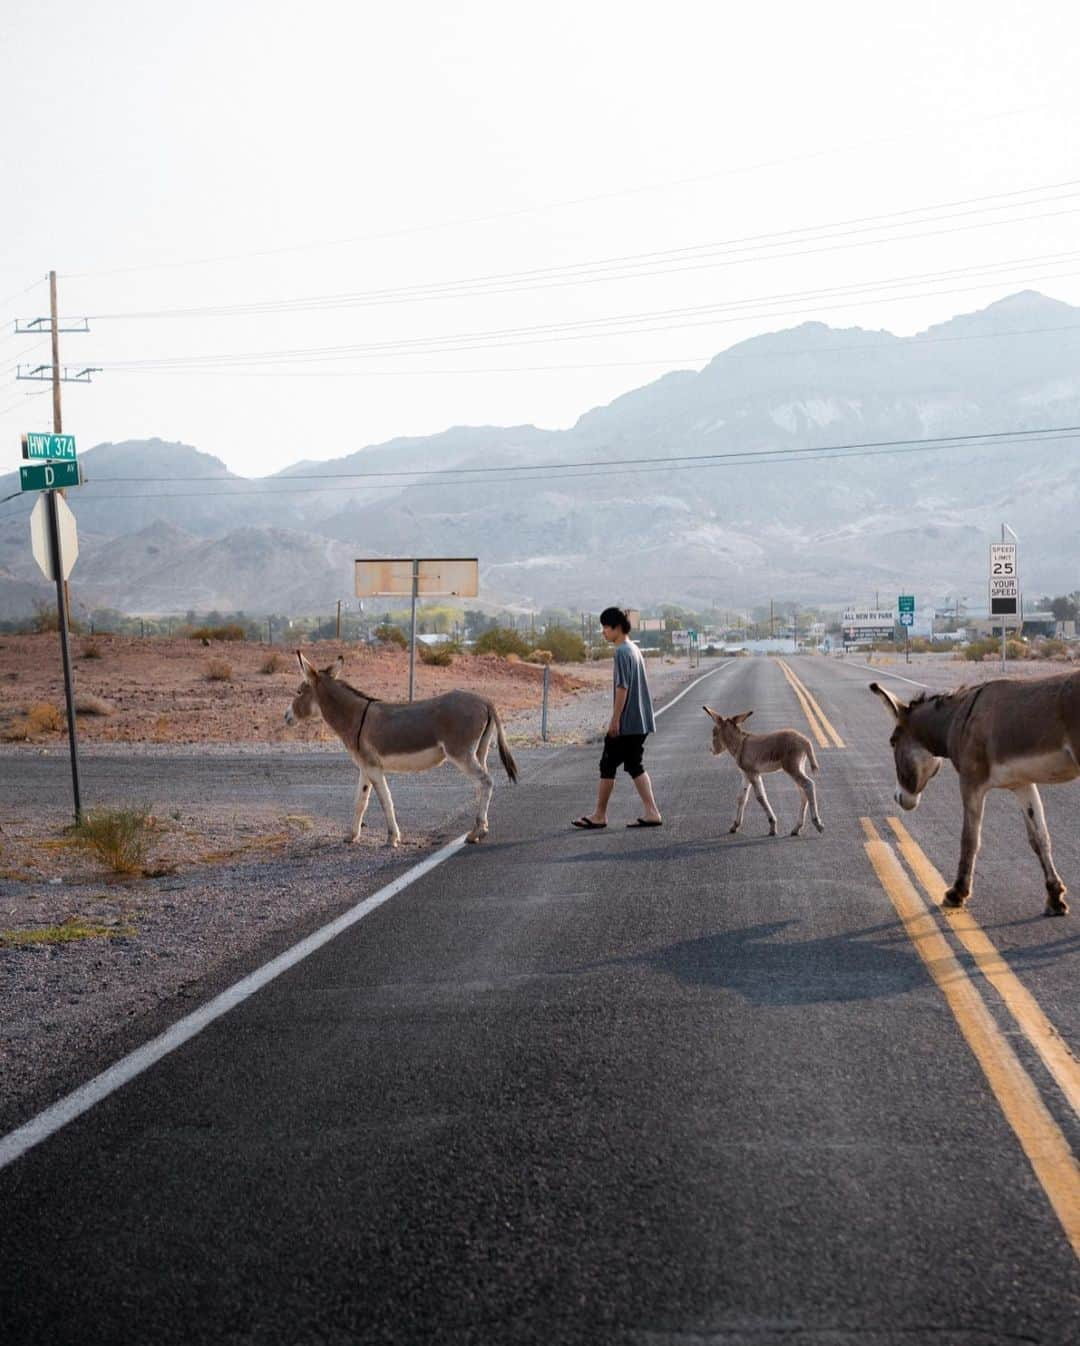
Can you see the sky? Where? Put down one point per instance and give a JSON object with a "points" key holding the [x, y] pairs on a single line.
{"points": [[299, 230]]}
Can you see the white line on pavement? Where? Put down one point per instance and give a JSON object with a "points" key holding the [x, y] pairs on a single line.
{"points": [[884, 673], [693, 684], [39, 1128]]}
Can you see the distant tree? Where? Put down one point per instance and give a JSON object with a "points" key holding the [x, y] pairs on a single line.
{"points": [[502, 640], [566, 646]]}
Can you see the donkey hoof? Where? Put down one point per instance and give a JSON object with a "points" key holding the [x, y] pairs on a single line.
{"points": [[474, 837], [795, 832], [953, 899], [733, 828], [820, 826], [1056, 905]]}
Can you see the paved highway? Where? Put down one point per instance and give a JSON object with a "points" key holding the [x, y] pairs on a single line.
{"points": [[642, 1087]]}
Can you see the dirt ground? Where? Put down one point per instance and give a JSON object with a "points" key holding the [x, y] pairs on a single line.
{"points": [[130, 690]]}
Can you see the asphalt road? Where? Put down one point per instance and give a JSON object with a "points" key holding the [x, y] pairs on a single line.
{"points": [[650, 1087]]}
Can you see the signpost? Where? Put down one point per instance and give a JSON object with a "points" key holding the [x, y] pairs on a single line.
{"points": [[448, 576], [1004, 584], [48, 446], [905, 604], [864, 626], [50, 476]]}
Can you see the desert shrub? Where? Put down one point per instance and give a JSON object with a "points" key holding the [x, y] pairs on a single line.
{"points": [[389, 634], [86, 703], [501, 640], [229, 632], [217, 670], [118, 837], [539, 657], [1016, 649], [273, 663], [44, 718], [92, 650], [976, 649], [47, 618], [567, 647], [440, 656], [1052, 648]]}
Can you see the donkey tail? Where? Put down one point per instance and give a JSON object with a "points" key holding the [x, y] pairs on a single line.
{"points": [[504, 748]]}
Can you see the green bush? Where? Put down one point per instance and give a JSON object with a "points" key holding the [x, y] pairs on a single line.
{"points": [[392, 635], [437, 656], [976, 649], [119, 837], [567, 647], [502, 640]]}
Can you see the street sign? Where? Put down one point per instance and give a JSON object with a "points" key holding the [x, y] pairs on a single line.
{"points": [[50, 476], [48, 446], [1002, 559], [906, 603], [907, 618], [39, 536], [458, 577], [693, 636]]}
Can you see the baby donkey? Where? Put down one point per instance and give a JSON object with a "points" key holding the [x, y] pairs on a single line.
{"points": [[757, 754]]}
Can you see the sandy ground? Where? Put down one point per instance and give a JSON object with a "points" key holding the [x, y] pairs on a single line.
{"points": [[946, 672]]}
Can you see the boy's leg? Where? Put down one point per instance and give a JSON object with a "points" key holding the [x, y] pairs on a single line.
{"points": [[603, 794], [643, 785]]}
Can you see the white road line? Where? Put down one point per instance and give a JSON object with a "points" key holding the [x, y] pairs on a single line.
{"points": [[884, 673], [693, 684], [39, 1128]]}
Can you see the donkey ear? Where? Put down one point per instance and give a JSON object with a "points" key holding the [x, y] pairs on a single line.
{"points": [[309, 670], [894, 703], [745, 715], [336, 667], [713, 713]]}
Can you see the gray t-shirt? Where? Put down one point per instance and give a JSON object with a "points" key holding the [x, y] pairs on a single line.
{"points": [[637, 716]]}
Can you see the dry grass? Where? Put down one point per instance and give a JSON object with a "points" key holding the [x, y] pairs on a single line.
{"points": [[217, 670], [74, 928], [92, 650], [273, 663], [86, 703], [118, 837], [42, 718]]}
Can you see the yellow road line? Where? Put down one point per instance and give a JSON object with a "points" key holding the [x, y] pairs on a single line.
{"points": [[815, 728], [1019, 1001], [1039, 1135], [802, 689]]}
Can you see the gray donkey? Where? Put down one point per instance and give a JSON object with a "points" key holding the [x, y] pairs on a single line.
{"points": [[384, 736], [756, 755]]}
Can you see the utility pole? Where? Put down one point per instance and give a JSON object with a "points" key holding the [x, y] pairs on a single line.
{"points": [[56, 376]]}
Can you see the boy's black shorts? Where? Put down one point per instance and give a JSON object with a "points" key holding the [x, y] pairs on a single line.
{"points": [[625, 751]]}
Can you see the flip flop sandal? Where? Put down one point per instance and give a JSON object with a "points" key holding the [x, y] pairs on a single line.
{"points": [[587, 824], [646, 822]]}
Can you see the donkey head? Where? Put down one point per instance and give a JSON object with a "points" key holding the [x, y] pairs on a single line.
{"points": [[305, 700], [916, 765], [726, 732]]}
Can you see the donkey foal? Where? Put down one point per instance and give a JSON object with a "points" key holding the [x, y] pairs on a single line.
{"points": [[756, 755]]}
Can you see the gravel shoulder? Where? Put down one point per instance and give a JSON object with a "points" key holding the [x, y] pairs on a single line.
{"points": [[245, 856]]}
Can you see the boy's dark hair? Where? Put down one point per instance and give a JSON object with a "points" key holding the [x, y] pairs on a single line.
{"points": [[615, 617]]}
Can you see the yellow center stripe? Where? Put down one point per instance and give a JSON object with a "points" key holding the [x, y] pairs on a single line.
{"points": [[1019, 1001], [1039, 1135], [811, 707]]}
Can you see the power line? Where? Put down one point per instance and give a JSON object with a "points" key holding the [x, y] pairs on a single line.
{"points": [[491, 217], [677, 260]]}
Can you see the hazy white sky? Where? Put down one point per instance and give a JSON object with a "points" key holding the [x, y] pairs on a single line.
{"points": [[328, 185]]}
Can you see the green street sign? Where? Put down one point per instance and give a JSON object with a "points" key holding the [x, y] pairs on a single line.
{"points": [[49, 476], [692, 635], [49, 446], [906, 602]]}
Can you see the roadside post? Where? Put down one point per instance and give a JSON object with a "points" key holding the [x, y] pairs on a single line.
{"points": [[906, 605], [544, 711], [415, 578], [1004, 584], [55, 547]]}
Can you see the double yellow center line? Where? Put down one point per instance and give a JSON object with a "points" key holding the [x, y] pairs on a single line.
{"points": [[826, 735], [1039, 1135]]}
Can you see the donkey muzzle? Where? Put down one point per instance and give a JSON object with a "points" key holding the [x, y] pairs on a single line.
{"points": [[907, 802]]}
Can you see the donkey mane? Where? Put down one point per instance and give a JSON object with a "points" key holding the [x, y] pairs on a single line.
{"points": [[937, 699], [355, 690]]}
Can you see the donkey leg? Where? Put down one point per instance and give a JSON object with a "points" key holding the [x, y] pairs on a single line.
{"points": [[763, 799], [1027, 796], [805, 782], [363, 798], [472, 766], [393, 833], [740, 807], [804, 807], [974, 799]]}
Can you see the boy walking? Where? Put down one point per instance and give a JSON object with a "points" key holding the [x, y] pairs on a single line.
{"points": [[631, 723]]}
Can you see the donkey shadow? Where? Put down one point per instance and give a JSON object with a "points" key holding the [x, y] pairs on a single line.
{"points": [[761, 969]]}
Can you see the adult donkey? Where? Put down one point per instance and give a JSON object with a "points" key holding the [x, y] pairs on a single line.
{"points": [[1003, 735], [383, 736]]}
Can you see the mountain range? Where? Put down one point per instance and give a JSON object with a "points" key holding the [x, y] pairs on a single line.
{"points": [[636, 502]]}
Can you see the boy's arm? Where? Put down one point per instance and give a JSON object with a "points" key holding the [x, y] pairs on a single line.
{"points": [[621, 694]]}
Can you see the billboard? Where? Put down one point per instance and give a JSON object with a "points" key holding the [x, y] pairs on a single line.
{"points": [[456, 576]]}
